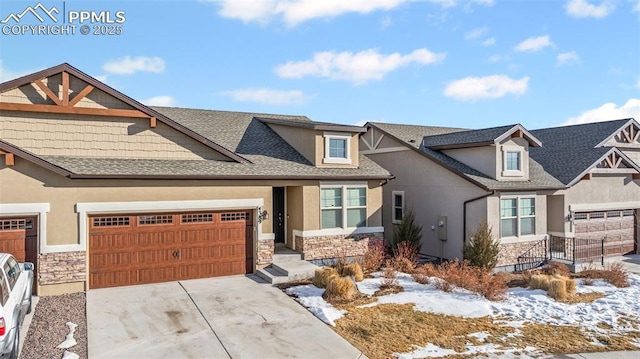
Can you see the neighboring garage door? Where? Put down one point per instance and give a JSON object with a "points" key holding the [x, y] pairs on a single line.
{"points": [[617, 228], [151, 248]]}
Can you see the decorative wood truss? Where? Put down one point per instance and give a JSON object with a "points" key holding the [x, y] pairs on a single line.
{"points": [[9, 160], [614, 163], [64, 104], [629, 134]]}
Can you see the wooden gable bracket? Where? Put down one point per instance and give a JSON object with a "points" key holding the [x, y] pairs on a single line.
{"points": [[586, 177], [9, 160], [636, 176], [517, 134], [612, 161]]}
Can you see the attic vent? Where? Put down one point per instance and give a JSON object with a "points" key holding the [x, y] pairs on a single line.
{"points": [[412, 141]]}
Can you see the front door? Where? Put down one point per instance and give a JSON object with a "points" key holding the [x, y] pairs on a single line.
{"points": [[278, 214]]}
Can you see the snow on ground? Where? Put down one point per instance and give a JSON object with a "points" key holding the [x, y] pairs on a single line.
{"points": [[520, 305]]}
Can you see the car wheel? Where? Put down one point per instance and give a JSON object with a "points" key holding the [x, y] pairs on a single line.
{"points": [[15, 350]]}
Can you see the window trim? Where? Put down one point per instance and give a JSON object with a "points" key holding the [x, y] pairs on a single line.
{"points": [[328, 136], [512, 173], [395, 220], [518, 216], [344, 205]]}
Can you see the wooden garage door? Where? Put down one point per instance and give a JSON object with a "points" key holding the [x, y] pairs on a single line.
{"points": [[617, 228], [151, 248], [13, 235]]}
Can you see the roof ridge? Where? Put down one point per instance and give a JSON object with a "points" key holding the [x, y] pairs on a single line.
{"points": [[256, 114]]}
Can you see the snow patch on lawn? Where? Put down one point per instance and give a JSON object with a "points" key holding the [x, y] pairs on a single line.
{"points": [[310, 297], [434, 351]]}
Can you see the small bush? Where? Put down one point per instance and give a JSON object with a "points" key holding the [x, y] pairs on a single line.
{"points": [[557, 268], [340, 262], [422, 273], [482, 249], [374, 257], [402, 264], [340, 289], [571, 286], [616, 274], [353, 269], [557, 289], [323, 276], [462, 275], [407, 231], [539, 281], [389, 277]]}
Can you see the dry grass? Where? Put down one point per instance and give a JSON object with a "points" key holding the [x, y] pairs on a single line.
{"points": [[520, 279], [353, 269], [583, 297], [539, 281], [323, 276], [374, 257], [340, 290], [613, 273], [557, 289], [385, 329], [389, 278], [556, 268], [461, 274]]}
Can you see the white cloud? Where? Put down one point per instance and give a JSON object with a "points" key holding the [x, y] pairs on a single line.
{"points": [[357, 68], [534, 44], [638, 85], [583, 8], [129, 65], [488, 42], [266, 96], [477, 88], [636, 7], [167, 101], [476, 33], [294, 12], [496, 58], [607, 112], [567, 58]]}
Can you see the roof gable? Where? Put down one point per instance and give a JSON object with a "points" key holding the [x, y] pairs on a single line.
{"points": [[628, 135], [81, 94], [481, 137]]}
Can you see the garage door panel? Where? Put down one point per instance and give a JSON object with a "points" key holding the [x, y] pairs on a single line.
{"points": [[617, 228], [156, 248]]}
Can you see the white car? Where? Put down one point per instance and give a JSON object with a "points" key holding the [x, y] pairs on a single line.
{"points": [[16, 284]]}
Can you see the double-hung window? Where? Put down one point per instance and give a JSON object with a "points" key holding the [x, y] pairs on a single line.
{"points": [[517, 216], [512, 161], [398, 206], [336, 148], [343, 206]]}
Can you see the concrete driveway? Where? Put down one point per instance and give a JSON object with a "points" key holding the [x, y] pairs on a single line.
{"points": [[232, 317]]}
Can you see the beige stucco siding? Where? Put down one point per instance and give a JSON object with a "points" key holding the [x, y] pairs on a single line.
{"points": [[74, 135], [556, 214], [482, 159], [295, 212], [303, 140], [431, 191]]}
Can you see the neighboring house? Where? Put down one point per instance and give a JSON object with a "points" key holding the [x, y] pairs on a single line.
{"points": [[99, 190], [576, 181]]}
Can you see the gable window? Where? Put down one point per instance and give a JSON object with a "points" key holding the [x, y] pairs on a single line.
{"points": [[398, 206], [517, 216], [336, 148], [343, 206], [512, 161]]}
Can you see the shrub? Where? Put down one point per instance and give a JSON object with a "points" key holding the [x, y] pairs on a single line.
{"points": [[340, 261], [353, 269], [482, 250], [389, 277], [571, 286], [557, 268], [323, 276], [374, 257], [616, 274], [492, 287], [422, 273], [340, 289], [539, 281], [402, 264], [407, 231], [557, 289]]}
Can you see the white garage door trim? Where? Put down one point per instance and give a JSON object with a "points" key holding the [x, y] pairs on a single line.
{"points": [[85, 209], [39, 209], [595, 207]]}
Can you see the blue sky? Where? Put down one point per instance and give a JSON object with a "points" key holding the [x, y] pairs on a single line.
{"points": [[461, 63]]}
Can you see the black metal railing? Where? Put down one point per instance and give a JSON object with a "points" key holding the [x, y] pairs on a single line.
{"points": [[576, 250], [533, 257]]}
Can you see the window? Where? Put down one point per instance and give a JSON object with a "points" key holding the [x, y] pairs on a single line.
{"points": [[398, 206], [110, 221], [196, 218], [12, 269], [156, 219], [343, 206], [336, 148], [4, 290], [513, 161], [233, 216], [517, 216]]}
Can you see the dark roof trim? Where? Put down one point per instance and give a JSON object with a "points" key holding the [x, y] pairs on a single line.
{"points": [[229, 177], [613, 149], [533, 141], [314, 125], [65, 67], [631, 120], [417, 150], [7, 147]]}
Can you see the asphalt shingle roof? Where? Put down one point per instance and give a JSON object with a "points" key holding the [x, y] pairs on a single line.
{"points": [[538, 177], [568, 151], [467, 137]]}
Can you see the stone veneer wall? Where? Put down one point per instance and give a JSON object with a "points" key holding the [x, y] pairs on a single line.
{"points": [[266, 248], [64, 267], [509, 252], [335, 246]]}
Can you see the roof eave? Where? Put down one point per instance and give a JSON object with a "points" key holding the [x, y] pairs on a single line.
{"points": [[28, 156], [313, 126], [227, 177]]}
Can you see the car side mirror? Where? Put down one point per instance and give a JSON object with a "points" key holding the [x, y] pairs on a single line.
{"points": [[28, 266]]}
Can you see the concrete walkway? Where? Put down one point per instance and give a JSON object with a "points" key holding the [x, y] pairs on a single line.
{"points": [[231, 317]]}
